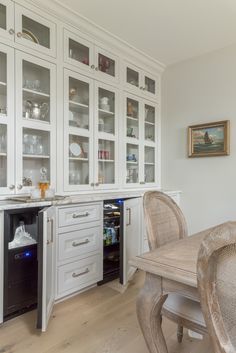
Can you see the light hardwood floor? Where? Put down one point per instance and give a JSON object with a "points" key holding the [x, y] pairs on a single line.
{"points": [[100, 320]]}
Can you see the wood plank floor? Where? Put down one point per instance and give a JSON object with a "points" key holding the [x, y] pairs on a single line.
{"points": [[100, 320]]}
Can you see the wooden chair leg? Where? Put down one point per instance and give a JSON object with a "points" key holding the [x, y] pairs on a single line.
{"points": [[180, 333]]}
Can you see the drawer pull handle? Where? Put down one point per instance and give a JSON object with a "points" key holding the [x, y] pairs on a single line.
{"points": [[74, 275], [81, 243], [80, 215]]}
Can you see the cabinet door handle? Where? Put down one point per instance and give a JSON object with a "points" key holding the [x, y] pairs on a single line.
{"points": [[92, 184], [19, 34], [142, 182], [129, 216], [96, 68], [74, 275], [96, 184], [92, 67], [19, 186], [11, 31], [86, 241], [80, 215], [11, 187]]}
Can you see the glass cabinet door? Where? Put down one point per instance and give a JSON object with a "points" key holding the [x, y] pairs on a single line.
{"points": [[7, 19], [35, 121], [106, 65], [35, 31], [7, 170], [106, 132], [78, 130], [78, 51], [149, 85]]}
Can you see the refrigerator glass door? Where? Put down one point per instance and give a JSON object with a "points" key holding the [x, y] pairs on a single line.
{"points": [[46, 266]]}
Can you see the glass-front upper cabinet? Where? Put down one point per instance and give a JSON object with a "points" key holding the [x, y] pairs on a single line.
{"points": [[35, 121], [141, 145], [78, 130], [133, 138], [7, 169], [7, 19], [35, 31], [140, 82], [84, 54], [106, 136]]}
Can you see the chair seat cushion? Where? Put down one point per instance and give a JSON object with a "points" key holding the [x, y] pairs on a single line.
{"points": [[185, 308]]}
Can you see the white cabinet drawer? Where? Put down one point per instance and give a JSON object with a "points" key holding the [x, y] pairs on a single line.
{"points": [[79, 214], [79, 242], [79, 274]]}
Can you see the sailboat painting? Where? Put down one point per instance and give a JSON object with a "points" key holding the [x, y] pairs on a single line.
{"points": [[210, 139]]}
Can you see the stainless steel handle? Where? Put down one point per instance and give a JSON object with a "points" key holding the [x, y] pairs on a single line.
{"points": [[80, 215], [74, 275], [11, 187], [19, 186], [92, 67], [11, 31], [129, 215], [50, 220], [86, 241], [19, 34]]}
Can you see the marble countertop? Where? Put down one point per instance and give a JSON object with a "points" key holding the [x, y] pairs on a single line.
{"points": [[75, 199]]}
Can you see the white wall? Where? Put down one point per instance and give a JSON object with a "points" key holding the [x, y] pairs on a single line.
{"points": [[198, 91]]}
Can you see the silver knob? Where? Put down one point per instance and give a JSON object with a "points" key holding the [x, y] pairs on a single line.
{"points": [[92, 184], [11, 31], [19, 34], [11, 187], [92, 67], [96, 184], [142, 182], [19, 186], [141, 88], [96, 68]]}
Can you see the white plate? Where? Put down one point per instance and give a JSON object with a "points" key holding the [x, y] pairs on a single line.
{"points": [[75, 149]]}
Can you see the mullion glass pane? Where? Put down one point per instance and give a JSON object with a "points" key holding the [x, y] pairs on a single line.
{"points": [[78, 52], [3, 16], [106, 111], [106, 160], [106, 65], [78, 160], [3, 155], [35, 32], [3, 83]]}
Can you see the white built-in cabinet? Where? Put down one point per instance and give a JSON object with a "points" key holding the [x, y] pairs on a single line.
{"points": [[108, 108]]}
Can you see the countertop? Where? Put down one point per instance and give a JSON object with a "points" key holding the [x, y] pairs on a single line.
{"points": [[80, 198]]}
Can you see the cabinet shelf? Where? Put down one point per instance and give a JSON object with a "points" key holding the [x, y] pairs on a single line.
{"points": [[149, 123], [106, 113], [131, 162], [106, 160], [81, 105], [36, 156], [131, 118], [37, 93], [3, 84], [147, 163], [3, 154], [78, 159]]}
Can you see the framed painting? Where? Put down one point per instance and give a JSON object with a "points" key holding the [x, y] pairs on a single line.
{"points": [[211, 139]]}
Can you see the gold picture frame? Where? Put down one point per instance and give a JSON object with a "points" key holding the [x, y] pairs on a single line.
{"points": [[209, 140]]}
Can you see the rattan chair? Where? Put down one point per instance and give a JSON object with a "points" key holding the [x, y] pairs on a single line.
{"points": [[165, 223], [217, 286]]}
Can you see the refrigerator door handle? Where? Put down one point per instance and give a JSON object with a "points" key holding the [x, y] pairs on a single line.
{"points": [[50, 220], [129, 216]]}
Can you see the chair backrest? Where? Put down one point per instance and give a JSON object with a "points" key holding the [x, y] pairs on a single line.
{"points": [[164, 220], [216, 271]]}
